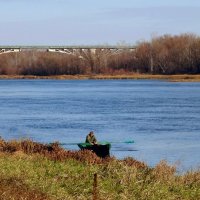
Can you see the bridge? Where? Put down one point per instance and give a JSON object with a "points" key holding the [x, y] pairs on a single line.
{"points": [[71, 50]]}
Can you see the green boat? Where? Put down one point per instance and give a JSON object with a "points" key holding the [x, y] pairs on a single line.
{"points": [[102, 149]]}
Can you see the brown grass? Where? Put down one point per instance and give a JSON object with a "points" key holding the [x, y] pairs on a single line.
{"points": [[53, 151], [163, 171], [173, 78], [129, 161], [15, 189]]}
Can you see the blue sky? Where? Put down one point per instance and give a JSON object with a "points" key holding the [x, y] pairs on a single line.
{"points": [[82, 22]]}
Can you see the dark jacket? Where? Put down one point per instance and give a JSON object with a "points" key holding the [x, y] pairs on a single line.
{"points": [[91, 139]]}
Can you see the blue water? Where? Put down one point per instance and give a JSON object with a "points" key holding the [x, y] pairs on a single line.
{"points": [[163, 118]]}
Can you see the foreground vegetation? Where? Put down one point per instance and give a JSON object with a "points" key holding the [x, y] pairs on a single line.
{"points": [[29, 170], [179, 54]]}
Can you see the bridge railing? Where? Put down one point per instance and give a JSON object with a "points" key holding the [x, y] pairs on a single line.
{"points": [[67, 49]]}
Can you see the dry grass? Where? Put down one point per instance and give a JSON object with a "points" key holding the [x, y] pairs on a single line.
{"points": [[52, 151], [135, 76], [47, 171], [132, 162], [15, 189]]}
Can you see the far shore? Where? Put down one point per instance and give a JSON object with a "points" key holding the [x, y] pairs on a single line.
{"points": [[134, 76]]}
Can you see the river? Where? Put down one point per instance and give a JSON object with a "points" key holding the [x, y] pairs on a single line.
{"points": [[163, 118]]}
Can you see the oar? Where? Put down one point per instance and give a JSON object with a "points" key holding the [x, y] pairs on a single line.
{"points": [[75, 143], [126, 142], [68, 143]]}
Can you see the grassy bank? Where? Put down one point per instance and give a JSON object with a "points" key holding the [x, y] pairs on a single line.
{"points": [[174, 78], [30, 170]]}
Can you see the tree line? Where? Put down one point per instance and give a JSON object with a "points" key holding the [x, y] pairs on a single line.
{"points": [[165, 54]]}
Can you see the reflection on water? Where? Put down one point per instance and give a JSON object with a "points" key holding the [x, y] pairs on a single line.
{"points": [[162, 117]]}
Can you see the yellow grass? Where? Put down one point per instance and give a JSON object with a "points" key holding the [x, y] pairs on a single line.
{"points": [[174, 78]]}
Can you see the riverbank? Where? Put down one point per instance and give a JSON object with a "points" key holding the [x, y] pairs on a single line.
{"points": [[30, 170], [136, 76]]}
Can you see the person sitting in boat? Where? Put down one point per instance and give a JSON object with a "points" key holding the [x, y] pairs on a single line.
{"points": [[90, 138]]}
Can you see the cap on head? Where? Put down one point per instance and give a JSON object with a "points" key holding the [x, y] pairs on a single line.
{"points": [[91, 133]]}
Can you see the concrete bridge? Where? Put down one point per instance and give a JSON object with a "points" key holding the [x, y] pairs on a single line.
{"points": [[71, 50]]}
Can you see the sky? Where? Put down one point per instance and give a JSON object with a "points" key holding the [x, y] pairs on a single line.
{"points": [[90, 22]]}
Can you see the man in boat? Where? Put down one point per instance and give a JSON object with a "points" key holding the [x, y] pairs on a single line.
{"points": [[90, 138]]}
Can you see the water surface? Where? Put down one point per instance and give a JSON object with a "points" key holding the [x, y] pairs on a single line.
{"points": [[162, 117]]}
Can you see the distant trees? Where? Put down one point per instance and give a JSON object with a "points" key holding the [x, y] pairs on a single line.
{"points": [[170, 54], [162, 55]]}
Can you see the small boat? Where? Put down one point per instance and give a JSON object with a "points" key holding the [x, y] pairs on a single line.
{"points": [[102, 149]]}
